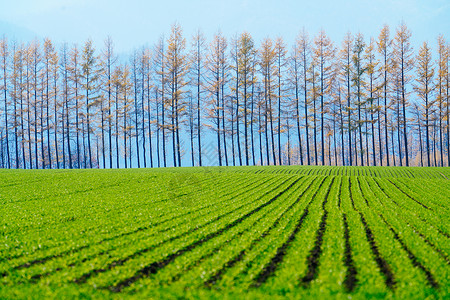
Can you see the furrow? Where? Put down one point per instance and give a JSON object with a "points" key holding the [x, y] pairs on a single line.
{"points": [[313, 259], [384, 267], [350, 280]]}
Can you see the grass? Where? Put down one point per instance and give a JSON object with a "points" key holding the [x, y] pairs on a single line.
{"points": [[216, 232]]}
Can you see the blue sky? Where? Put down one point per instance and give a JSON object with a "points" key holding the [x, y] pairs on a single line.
{"points": [[134, 23]]}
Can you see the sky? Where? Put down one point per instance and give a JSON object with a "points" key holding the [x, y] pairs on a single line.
{"points": [[135, 23]]}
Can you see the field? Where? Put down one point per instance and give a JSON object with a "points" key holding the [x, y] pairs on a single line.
{"points": [[237, 232]]}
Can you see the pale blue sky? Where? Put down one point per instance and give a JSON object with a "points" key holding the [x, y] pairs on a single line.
{"points": [[134, 23]]}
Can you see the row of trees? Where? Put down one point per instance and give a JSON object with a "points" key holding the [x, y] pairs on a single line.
{"points": [[227, 102]]}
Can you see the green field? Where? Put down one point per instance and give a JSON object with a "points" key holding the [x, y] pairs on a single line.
{"points": [[237, 232]]}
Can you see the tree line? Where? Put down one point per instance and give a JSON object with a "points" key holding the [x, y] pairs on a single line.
{"points": [[226, 102]]}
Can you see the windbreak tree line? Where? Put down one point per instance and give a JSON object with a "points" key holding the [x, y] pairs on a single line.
{"points": [[226, 102]]}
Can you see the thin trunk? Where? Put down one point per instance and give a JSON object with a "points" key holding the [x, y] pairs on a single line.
{"points": [[334, 141], [448, 112], [404, 116], [322, 114], [157, 129], [22, 131], [271, 127], [136, 112], [232, 135], [117, 127], [361, 149], [222, 85], [219, 150], [314, 116], [251, 117], [297, 111], [386, 107], [279, 112], [36, 154], [8, 159], [14, 99], [237, 115], [434, 144], [102, 121], [198, 110], [308, 154], [266, 120], [420, 142], [172, 117], [342, 128], [399, 132], [109, 113], [77, 122], [149, 115], [28, 120], [191, 129], [177, 129], [163, 115], [88, 121], [380, 148], [245, 120], [288, 142], [56, 122], [261, 160], [41, 123], [125, 128], [144, 150], [441, 145], [66, 100], [47, 104]]}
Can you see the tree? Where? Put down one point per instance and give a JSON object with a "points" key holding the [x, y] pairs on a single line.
{"points": [[159, 64], [235, 89], [137, 89], [177, 66], [74, 79], [56, 104], [65, 69], [146, 92], [447, 86], [108, 61], [323, 59], [16, 96], [384, 49], [198, 70], [216, 66], [28, 103], [424, 89], [4, 56], [373, 88], [125, 90], [346, 73], [116, 82], [358, 82], [440, 88], [89, 83], [304, 51], [280, 54], [267, 68], [295, 82], [50, 60], [403, 54], [246, 55]]}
